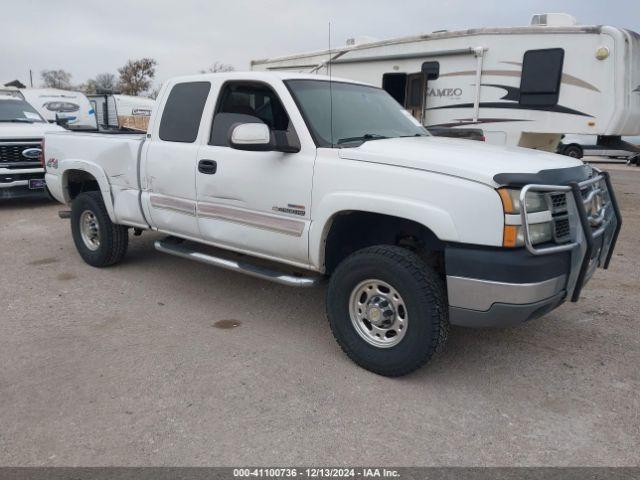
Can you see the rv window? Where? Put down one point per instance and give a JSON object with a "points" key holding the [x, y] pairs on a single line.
{"points": [[183, 111], [395, 84], [431, 70], [242, 102], [541, 77]]}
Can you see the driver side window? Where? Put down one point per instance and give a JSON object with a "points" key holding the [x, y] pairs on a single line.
{"points": [[243, 102]]}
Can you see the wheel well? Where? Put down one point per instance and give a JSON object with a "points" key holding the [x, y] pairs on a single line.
{"points": [[79, 181], [354, 230]]}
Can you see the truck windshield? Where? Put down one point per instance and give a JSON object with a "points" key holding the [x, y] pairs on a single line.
{"points": [[17, 110], [347, 115]]}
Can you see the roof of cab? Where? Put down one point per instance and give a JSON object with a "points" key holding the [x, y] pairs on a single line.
{"points": [[259, 76]]}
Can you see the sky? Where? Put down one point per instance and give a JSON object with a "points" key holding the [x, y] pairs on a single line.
{"points": [[95, 36]]}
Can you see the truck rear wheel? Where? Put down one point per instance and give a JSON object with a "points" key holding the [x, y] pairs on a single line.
{"points": [[387, 310], [98, 240], [573, 151]]}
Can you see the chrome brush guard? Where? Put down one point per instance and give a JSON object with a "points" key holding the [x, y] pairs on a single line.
{"points": [[594, 220]]}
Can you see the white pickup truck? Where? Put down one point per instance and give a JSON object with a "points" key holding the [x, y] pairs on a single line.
{"points": [[22, 129], [296, 178]]}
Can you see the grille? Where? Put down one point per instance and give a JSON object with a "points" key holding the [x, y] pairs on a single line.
{"points": [[561, 227], [562, 230], [11, 152], [559, 209], [558, 201], [597, 203]]}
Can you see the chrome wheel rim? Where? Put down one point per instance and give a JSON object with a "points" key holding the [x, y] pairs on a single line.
{"points": [[378, 313], [90, 230]]}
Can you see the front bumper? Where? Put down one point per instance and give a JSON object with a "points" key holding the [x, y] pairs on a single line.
{"points": [[494, 287], [21, 183], [498, 287]]}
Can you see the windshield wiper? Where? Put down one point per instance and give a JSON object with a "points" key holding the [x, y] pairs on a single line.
{"points": [[17, 120], [414, 135], [363, 138]]}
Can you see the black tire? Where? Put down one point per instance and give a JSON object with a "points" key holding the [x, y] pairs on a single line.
{"points": [[421, 289], [113, 239], [573, 151]]}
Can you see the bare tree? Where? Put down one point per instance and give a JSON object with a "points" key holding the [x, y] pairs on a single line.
{"points": [[103, 83], [106, 82], [88, 87], [153, 93], [218, 67], [56, 79], [136, 76]]}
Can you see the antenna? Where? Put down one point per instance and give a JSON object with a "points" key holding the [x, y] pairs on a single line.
{"points": [[330, 88]]}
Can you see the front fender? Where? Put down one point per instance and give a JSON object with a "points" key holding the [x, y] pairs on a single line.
{"points": [[436, 219], [96, 171]]}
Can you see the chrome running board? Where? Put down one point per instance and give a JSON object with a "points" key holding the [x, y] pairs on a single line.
{"points": [[180, 248]]}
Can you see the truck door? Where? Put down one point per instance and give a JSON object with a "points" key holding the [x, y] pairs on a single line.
{"points": [[255, 201], [169, 166]]}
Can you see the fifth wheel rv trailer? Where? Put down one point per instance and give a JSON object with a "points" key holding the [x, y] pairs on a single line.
{"points": [[72, 108], [122, 112], [523, 86]]}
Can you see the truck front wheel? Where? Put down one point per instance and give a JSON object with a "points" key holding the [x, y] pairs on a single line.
{"points": [[98, 240], [387, 309]]}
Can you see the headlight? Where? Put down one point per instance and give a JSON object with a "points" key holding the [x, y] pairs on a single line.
{"points": [[538, 232], [513, 235], [536, 202]]}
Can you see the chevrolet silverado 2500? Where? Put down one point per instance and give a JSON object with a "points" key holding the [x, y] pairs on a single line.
{"points": [[296, 178], [22, 129]]}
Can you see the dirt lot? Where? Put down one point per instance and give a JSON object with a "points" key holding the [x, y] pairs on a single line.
{"points": [[125, 366]]}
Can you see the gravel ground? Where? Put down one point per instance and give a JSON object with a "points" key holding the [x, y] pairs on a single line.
{"points": [[127, 366]]}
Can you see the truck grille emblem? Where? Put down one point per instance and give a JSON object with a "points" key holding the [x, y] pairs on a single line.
{"points": [[31, 153]]}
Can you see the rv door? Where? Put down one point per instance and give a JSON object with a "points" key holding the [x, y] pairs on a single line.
{"points": [[417, 87], [414, 98]]}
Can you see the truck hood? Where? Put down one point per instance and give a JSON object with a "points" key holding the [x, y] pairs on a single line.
{"points": [[15, 131], [467, 159]]}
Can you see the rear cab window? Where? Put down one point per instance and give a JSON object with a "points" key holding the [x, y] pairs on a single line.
{"points": [[182, 112]]}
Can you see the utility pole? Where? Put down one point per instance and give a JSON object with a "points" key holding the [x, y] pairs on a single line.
{"points": [[31, 77]]}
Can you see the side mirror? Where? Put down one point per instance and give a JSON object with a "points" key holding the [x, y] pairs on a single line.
{"points": [[254, 137]]}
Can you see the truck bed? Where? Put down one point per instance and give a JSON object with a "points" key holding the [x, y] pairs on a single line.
{"points": [[115, 156]]}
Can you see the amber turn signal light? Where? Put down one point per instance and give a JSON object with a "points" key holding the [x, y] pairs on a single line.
{"points": [[510, 236], [507, 203]]}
